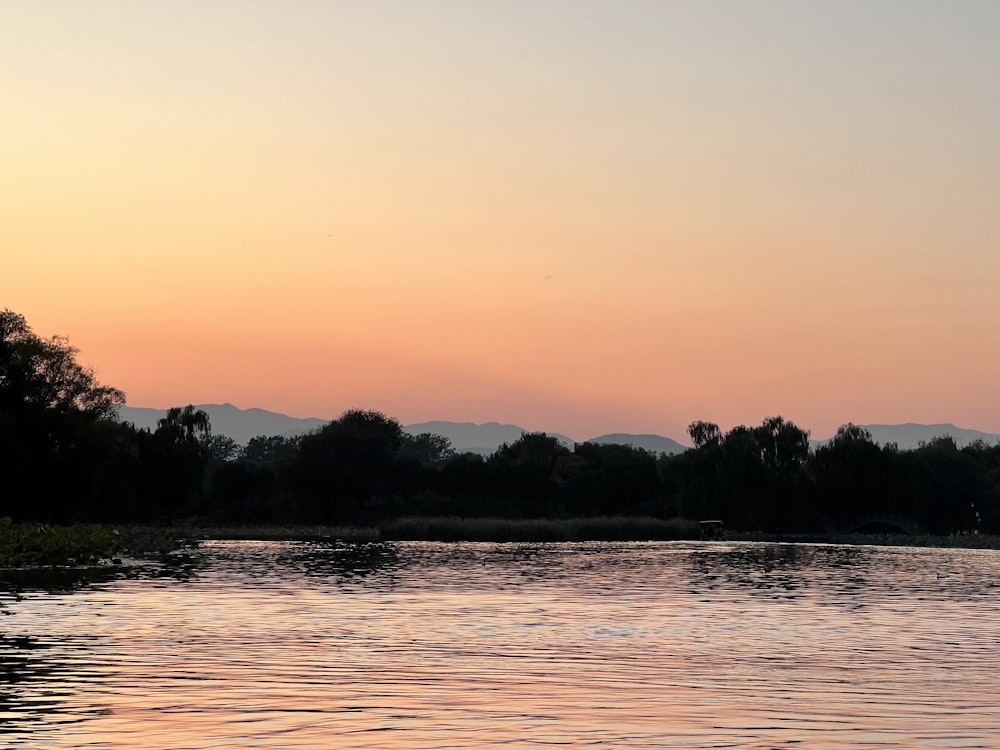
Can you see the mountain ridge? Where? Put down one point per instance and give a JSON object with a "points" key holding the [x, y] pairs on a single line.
{"points": [[243, 424], [227, 419], [909, 435], [646, 442]]}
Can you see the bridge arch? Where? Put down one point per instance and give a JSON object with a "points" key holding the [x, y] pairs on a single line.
{"points": [[884, 523]]}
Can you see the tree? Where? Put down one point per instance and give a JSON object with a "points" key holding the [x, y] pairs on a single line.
{"points": [[704, 434], [39, 373], [533, 451], [614, 480], [743, 479], [342, 471], [267, 449], [784, 447], [693, 478], [751, 477], [526, 470], [467, 483], [788, 499], [185, 424], [243, 491], [945, 485], [427, 448], [173, 461], [49, 405], [221, 448], [854, 477]]}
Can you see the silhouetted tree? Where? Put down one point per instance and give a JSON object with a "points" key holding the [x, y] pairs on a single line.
{"points": [[64, 458], [943, 485], [342, 472], [244, 492], [987, 508], [467, 484], [185, 424], [787, 501], [753, 478], [49, 405], [854, 478], [784, 447], [525, 470], [427, 448], [221, 448], [38, 373], [704, 434], [614, 480], [268, 449], [171, 464]]}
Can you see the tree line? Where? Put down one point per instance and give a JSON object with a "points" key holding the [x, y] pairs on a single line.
{"points": [[66, 458]]}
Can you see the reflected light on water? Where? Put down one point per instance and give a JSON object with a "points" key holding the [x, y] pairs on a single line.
{"points": [[299, 645]]}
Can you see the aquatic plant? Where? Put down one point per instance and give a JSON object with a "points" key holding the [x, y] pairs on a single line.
{"points": [[24, 544]]}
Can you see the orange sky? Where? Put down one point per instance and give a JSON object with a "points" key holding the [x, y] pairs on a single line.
{"points": [[580, 217]]}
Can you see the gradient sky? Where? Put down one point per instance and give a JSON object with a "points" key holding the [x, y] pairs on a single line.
{"points": [[577, 216]]}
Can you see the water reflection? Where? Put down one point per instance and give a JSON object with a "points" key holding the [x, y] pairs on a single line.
{"points": [[312, 645], [781, 570], [34, 685], [40, 674], [54, 580], [342, 562], [278, 565]]}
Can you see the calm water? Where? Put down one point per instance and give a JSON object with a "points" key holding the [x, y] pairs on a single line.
{"points": [[299, 645]]}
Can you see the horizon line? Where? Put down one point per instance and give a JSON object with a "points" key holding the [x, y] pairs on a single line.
{"points": [[685, 442]]}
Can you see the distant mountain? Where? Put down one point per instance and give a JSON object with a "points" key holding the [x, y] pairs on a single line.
{"points": [[484, 439], [909, 436], [226, 419], [243, 424], [654, 443]]}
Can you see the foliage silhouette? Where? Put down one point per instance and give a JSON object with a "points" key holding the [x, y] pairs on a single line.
{"points": [[51, 436], [341, 472], [65, 458]]}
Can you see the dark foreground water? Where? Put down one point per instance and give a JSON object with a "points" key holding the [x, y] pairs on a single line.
{"points": [[296, 645]]}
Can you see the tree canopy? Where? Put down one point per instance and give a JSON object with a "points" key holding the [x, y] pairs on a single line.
{"points": [[63, 458], [51, 441], [42, 373]]}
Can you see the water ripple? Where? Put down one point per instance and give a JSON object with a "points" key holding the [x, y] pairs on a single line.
{"points": [[303, 645]]}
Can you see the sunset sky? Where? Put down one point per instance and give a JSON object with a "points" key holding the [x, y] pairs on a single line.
{"points": [[582, 217]]}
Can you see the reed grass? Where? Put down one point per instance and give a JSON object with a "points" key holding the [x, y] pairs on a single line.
{"points": [[281, 532], [950, 541], [606, 528]]}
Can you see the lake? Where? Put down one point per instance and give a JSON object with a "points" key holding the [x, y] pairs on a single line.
{"points": [[308, 645]]}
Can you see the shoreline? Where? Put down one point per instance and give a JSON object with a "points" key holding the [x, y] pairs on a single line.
{"points": [[89, 545], [596, 529]]}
